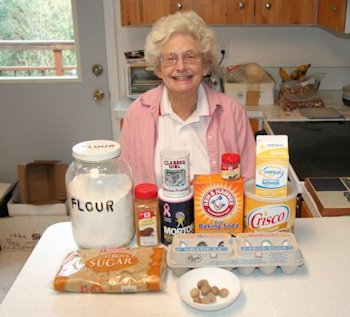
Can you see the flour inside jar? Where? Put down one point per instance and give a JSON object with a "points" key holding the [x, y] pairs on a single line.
{"points": [[101, 208]]}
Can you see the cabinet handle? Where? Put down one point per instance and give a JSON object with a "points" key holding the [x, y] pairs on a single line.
{"points": [[268, 5], [241, 5], [334, 8], [179, 6]]}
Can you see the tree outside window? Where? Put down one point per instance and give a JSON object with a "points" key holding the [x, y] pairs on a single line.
{"points": [[37, 38]]}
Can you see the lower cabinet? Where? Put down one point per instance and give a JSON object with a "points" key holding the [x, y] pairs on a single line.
{"points": [[305, 211]]}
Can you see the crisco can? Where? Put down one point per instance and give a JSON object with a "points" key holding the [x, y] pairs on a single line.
{"points": [[269, 213]]}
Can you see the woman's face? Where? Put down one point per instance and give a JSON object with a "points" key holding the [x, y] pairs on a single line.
{"points": [[181, 67]]}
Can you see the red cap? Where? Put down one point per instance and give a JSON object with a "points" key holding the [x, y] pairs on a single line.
{"points": [[230, 158], [146, 191]]}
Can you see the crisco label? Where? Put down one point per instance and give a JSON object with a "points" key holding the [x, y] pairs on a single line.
{"points": [[268, 217]]}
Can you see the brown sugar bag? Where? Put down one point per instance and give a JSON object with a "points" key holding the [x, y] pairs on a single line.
{"points": [[112, 270]]}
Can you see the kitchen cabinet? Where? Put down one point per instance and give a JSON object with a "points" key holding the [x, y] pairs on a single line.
{"points": [[305, 211], [146, 12], [331, 14], [289, 12], [223, 12]]}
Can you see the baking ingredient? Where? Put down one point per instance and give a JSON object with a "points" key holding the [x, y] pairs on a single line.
{"points": [[175, 168], [101, 209], [269, 213], [112, 270], [204, 293], [272, 160], [146, 215], [274, 249], [230, 166], [176, 216], [218, 204], [99, 192]]}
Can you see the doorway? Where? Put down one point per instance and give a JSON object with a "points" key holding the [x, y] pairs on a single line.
{"points": [[43, 120]]}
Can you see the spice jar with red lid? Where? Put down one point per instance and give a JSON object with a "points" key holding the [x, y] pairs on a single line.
{"points": [[230, 166], [146, 214]]}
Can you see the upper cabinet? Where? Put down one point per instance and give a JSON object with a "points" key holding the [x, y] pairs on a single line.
{"points": [[331, 14], [224, 12], [288, 12], [146, 12]]}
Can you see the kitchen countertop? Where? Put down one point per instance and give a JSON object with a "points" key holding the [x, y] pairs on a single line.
{"points": [[319, 288], [331, 98]]}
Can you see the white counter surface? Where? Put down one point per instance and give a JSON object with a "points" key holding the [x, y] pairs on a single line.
{"points": [[331, 98], [321, 287]]}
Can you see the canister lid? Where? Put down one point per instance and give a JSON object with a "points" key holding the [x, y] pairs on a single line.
{"points": [[176, 153], [96, 150], [230, 158], [146, 191]]}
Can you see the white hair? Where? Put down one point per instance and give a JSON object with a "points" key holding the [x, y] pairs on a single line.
{"points": [[188, 22]]}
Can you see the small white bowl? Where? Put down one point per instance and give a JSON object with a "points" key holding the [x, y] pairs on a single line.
{"points": [[216, 277]]}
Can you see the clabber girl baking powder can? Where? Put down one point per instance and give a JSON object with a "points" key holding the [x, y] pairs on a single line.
{"points": [[175, 171]]}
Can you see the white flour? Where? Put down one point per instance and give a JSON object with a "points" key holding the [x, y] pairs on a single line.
{"points": [[101, 208]]}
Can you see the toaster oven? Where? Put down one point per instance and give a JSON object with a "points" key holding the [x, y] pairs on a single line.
{"points": [[139, 79]]}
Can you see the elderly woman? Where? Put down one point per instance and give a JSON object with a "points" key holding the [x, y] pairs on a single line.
{"points": [[184, 112]]}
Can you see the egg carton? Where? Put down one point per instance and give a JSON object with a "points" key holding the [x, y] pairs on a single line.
{"points": [[244, 252]]}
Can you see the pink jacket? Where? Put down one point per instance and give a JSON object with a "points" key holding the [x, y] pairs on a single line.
{"points": [[229, 130]]}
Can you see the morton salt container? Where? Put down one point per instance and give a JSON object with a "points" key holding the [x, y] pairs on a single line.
{"points": [[176, 215], [99, 192]]}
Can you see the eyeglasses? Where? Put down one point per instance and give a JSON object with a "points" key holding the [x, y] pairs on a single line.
{"points": [[172, 59]]}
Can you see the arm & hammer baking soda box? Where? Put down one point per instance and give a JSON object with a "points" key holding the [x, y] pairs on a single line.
{"points": [[272, 160], [218, 204]]}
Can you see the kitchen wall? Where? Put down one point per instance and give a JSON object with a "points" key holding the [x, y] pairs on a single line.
{"points": [[271, 47]]}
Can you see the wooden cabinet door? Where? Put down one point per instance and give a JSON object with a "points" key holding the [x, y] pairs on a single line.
{"points": [[225, 11], [285, 12], [146, 12], [331, 14]]}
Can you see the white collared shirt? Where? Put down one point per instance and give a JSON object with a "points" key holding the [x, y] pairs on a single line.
{"points": [[173, 132]]}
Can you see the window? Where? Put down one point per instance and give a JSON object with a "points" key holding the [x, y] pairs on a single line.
{"points": [[37, 39]]}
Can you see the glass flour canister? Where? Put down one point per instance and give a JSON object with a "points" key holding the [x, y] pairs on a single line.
{"points": [[99, 195]]}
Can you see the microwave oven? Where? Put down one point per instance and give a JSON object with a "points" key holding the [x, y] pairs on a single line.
{"points": [[139, 79]]}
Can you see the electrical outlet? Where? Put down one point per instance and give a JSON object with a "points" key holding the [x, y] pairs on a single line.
{"points": [[224, 45]]}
